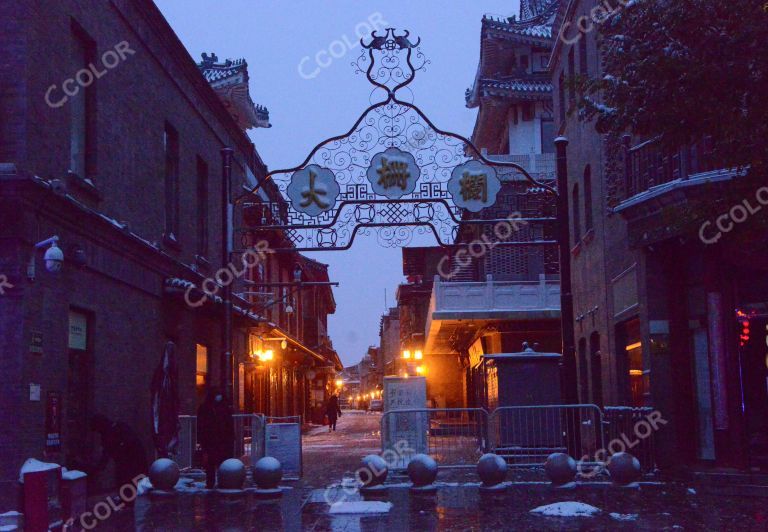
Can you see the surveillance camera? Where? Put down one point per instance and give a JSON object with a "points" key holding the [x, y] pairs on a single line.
{"points": [[54, 258]]}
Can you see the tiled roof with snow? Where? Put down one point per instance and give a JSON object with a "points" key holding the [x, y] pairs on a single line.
{"points": [[214, 71], [509, 87], [543, 31], [536, 20]]}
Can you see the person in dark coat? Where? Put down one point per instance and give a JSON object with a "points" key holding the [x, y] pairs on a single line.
{"points": [[333, 411], [215, 433], [122, 445]]}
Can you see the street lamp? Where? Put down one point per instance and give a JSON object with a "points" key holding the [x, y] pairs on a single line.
{"points": [[421, 370], [406, 354], [418, 355], [339, 382]]}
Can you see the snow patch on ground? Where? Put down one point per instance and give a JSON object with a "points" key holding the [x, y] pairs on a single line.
{"points": [[360, 507], [623, 517], [567, 509], [72, 474]]}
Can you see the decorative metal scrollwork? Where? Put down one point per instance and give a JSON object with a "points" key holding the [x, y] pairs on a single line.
{"points": [[395, 126]]}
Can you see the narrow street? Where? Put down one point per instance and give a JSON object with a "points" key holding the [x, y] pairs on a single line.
{"points": [[330, 456]]}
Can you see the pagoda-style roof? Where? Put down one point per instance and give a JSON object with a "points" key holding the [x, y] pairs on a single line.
{"points": [[530, 9], [230, 81], [499, 37], [528, 88]]}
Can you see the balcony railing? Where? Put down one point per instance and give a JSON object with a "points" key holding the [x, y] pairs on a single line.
{"points": [[495, 295], [649, 165], [534, 163]]}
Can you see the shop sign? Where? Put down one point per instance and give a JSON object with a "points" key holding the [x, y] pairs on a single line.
{"points": [[313, 190], [36, 342], [474, 186], [53, 422], [78, 330], [393, 173]]}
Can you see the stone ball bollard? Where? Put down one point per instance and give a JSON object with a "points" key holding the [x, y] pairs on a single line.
{"points": [[373, 471], [164, 474], [267, 473], [624, 468], [560, 468], [422, 470], [231, 474], [492, 469]]}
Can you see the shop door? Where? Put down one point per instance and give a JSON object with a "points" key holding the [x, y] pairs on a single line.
{"points": [[754, 375]]}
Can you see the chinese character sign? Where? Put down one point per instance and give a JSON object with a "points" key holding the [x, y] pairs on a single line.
{"points": [[474, 185], [393, 173], [313, 190]]}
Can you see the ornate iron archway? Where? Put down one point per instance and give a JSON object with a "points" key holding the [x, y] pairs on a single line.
{"points": [[394, 172]]}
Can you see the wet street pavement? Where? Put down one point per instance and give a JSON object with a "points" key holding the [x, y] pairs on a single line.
{"points": [[328, 456], [457, 505]]}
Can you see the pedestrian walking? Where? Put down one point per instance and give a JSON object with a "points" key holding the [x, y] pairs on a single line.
{"points": [[121, 445], [333, 411], [215, 433]]}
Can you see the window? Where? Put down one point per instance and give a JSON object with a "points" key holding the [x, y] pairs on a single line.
{"points": [[524, 62], [587, 198], [583, 67], [201, 356], [528, 111], [636, 378], [202, 207], [571, 78], [171, 147], [82, 108], [547, 136], [576, 214]]}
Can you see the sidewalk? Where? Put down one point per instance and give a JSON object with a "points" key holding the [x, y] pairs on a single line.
{"points": [[455, 506]]}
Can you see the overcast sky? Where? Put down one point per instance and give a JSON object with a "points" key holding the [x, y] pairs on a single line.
{"points": [[274, 36]]}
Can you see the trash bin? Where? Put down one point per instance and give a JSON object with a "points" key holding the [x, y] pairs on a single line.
{"points": [[41, 489], [73, 494]]}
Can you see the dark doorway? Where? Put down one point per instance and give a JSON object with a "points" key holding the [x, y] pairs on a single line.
{"points": [[754, 374]]}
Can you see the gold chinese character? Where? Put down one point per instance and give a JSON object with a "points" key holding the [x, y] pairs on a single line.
{"points": [[393, 174], [312, 196], [474, 187]]}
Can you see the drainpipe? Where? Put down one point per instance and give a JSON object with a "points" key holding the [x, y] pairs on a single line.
{"points": [[568, 365], [227, 373]]}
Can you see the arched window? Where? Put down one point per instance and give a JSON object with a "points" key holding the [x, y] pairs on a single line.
{"points": [[575, 207], [587, 198]]}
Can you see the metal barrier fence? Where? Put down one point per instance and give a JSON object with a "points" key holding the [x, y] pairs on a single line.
{"points": [[455, 437], [620, 424], [526, 435], [249, 437], [187, 441]]}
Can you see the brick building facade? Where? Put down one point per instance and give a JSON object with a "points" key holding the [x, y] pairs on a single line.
{"points": [[110, 139], [660, 304]]}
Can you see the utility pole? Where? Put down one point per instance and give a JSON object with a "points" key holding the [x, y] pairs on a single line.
{"points": [[227, 373], [568, 373]]}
